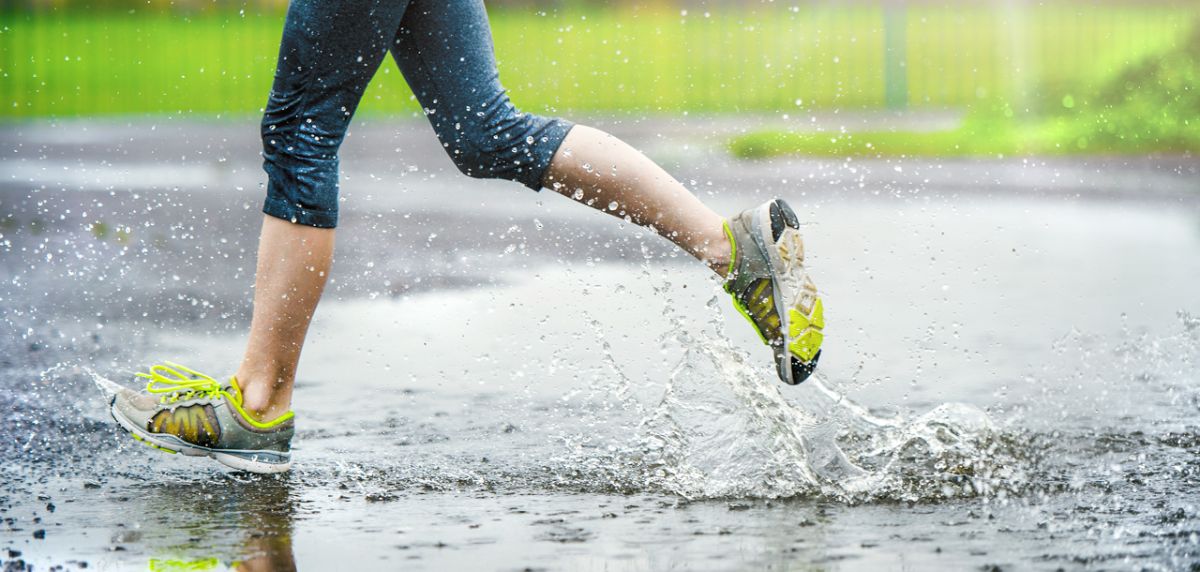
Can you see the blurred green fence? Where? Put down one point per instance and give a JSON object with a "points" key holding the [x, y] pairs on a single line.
{"points": [[760, 57]]}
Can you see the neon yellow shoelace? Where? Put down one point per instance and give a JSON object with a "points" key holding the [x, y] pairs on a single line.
{"points": [[177, 382]]}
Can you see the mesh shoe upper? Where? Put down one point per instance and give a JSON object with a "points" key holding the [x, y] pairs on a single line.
{"points": [[200, 412]]}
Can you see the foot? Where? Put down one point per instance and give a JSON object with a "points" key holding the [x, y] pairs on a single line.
{"points": [[771, 288], [184, 411]]}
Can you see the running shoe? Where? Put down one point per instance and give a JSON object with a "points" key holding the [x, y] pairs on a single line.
{"points": [[771, 288], [185, 411]]}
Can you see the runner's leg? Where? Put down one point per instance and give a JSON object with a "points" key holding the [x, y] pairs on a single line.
{"points": [[329, 52], [444, 49], [605, 173]]}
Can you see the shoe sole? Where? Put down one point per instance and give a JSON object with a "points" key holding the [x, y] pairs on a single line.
{"points": [[235, 459], [790, 241]]}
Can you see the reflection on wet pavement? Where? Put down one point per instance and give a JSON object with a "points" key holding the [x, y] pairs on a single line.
{"points": [[260, 510]]}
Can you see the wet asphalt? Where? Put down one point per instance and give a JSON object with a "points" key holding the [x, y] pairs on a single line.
{"points": [[489, 363]]}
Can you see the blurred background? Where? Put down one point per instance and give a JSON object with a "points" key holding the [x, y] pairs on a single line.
{"points": [[1047, 77]]}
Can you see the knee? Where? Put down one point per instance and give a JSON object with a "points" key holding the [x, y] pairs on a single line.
{"points": [[501, 142], [312, 134], [470, 160], [486, 149], [300, 156]]}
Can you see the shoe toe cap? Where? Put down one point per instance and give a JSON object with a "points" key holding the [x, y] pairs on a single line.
{"points": [[800, 370], [134, 404]]}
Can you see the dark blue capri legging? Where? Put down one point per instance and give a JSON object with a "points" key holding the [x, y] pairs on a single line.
{"points": [[330, 51]]}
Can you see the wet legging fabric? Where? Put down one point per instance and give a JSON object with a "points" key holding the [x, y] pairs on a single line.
{"points": [[329, 53]]}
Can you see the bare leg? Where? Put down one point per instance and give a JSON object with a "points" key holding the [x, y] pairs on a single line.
{"points": [[271, 554], [293, 265], [607, 174]]}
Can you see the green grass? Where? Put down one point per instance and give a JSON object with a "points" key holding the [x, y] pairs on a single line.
{"points": [[984, 136], [761, 58], [979, 136], [1150, 106]]}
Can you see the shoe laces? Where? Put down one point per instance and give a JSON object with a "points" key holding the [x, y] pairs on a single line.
{"points": [[175, 382]]}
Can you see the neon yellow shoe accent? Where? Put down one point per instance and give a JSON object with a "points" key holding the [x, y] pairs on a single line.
{"points": [[818, 315], [806, 331], [147, 443], [746, 314], [805, 347], [732, 246], [798, 322], [175, 382], [733, 254], [157, 565]]}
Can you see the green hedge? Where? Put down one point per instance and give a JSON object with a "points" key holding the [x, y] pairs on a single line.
{"points": [[760, 58], [1150, 106]]}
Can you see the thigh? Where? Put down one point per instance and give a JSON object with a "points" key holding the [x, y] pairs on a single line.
{"points": [[444, 49], [329, 52]]}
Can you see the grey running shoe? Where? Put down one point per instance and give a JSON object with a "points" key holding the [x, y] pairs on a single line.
{"points": [[184, 411], [771, 288]]}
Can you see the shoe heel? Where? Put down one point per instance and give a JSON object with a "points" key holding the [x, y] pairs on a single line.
{"points": [[788, 215]]}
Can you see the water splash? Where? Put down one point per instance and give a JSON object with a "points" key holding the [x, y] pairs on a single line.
{"points": [[722, 427], [106, 386]]}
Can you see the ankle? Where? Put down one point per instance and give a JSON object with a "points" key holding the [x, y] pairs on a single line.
{"points": [[719, 265], [264, 397], [718, 253], [263, 407]]}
